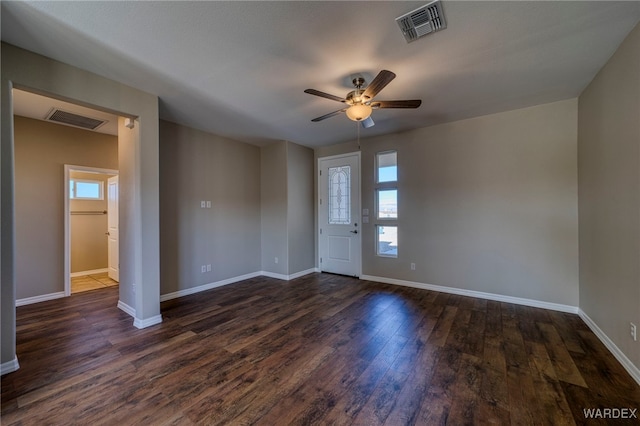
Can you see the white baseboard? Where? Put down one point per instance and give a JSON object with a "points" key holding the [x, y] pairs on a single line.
{"points": [[289, 277], [479, 294], [209, 286], [204, 287], [303, 273], [274, 275], [144, 323], [9, 366], [617, 353], [137, 322], [126, 308], [91, 272], [41, 298]]}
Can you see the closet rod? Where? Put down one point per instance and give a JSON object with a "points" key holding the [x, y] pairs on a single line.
{"points": [[89, 212]]}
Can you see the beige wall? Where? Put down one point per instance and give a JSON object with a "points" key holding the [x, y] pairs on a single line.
{"points": [[273, 206], [41, 151], [197, 166], [88, 243], [262, 208], [287, 209], [300, 208], [609, 196], [138, 179], [487, 204]]}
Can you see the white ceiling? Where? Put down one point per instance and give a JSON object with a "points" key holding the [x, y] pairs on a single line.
{"points": [[239, 69]]}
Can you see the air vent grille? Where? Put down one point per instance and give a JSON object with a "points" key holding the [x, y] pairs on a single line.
{"points": [[76, 120], [422, 21]]}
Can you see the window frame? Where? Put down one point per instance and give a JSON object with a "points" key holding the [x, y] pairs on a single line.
{"points": [[385, 218], [377, 168], [378, 252], [73, 189], [382, 221]]}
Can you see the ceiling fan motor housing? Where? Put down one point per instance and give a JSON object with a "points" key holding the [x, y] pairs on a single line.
{"points": [[355, 96]]}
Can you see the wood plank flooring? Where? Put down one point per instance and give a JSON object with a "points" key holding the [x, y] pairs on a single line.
{"points": [[321, 349]]}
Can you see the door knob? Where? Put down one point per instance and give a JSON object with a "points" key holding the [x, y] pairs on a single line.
{"points": [[354, 232], [106, 233]]}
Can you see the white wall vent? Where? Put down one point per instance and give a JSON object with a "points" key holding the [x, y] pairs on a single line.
{"points": [[422, 21], [75, 120]]}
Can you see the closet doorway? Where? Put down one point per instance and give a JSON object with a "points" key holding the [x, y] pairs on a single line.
{"points": [[91, 212]]}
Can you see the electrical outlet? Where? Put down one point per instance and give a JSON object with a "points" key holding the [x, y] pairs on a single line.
{"points": [[632, 329], [275, 260], [208, 268], [413, 266], [203, 269], [203, 204]]}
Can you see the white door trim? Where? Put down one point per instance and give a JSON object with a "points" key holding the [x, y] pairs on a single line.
{"points": [[358, 215], [113, 250], [68, 168]]}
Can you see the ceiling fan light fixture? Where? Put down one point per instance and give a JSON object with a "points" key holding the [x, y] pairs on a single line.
{"points": [[358, 112], [358, 104]]}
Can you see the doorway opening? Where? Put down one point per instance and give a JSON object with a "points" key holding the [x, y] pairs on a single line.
{"points": [[91, 229], [64, 156]]}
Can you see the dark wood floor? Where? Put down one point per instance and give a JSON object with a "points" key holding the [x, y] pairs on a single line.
{"points": [[322, 349]]}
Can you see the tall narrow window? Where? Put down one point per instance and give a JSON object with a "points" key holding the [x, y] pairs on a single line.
{"points": [[387, 241], [387, 204], [386, 199], [339, 195], [387, 170]]}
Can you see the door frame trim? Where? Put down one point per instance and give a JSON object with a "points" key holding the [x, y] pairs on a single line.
{"points": [[110, 216], [358, 154], [68, 168]]}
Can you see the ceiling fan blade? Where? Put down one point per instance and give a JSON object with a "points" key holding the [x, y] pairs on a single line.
{"points": [[368, 122], [331, 114], [324, 95], [383, 78], [413, 103]]}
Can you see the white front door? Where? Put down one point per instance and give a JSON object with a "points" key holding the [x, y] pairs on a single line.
{"points": [[339, 214], [112, 234]]}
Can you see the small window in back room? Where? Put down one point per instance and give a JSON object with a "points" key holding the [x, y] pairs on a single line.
{"points": [[84, 189]]}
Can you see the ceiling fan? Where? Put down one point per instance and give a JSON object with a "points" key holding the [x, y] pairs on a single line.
{"points": [[360, 101]]}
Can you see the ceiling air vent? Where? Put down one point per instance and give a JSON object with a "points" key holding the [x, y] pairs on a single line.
{"points": [[71, 119], [422, 21]]}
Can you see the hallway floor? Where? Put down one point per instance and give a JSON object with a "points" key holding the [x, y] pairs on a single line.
{"points": [[91, 282]]}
